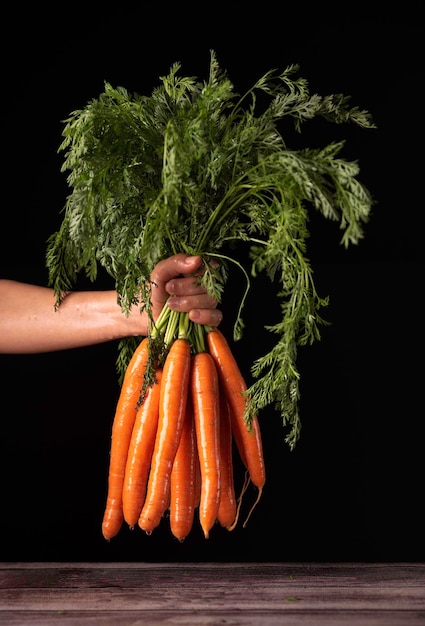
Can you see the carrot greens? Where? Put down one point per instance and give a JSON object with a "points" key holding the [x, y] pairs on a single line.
{"points": [[197, 167]]}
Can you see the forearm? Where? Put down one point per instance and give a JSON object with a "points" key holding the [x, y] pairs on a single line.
{"points": [[30, 323]]}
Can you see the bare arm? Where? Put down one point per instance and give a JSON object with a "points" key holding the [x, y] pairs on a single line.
{"points": [[29, 322]]}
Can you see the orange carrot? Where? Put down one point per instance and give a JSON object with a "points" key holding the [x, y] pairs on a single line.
{"points": [[227, 507], [197, 478], [183, 479], [125, 415], [248, 440], [140, 452], [204, 393], [172, 411]]}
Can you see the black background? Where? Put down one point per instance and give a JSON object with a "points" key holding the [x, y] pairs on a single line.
{"points": [[353, 487]]}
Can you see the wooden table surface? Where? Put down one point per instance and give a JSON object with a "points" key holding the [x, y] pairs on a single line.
{"points": [[136, 594]]}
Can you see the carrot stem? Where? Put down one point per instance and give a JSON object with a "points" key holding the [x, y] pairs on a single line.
{"points": [[198, 338], [161, 321], [183, 326], [172, 326]]}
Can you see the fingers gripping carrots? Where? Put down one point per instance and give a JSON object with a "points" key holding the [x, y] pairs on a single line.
{"points": [[174, 450]]}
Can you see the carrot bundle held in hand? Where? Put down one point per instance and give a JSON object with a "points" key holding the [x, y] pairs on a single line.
{"points": [[216, 178]]}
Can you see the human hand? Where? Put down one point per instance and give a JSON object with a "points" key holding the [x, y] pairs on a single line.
{"points": [[175, 276]]}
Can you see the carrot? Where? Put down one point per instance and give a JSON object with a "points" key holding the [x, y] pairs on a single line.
{"points": [[197, 480], [172, 411], [125, 415], [248, 440], [204, 393], [227, 506], [183, 479], [140, 452]]}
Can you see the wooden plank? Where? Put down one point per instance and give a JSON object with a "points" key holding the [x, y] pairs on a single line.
{"points": [[206, 618], [212, 593], [242, 597]]}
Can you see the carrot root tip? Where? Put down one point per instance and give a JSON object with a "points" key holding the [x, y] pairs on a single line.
{"points": [[260, 491]]}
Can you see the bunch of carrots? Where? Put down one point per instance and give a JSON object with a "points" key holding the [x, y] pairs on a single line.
{"points": [[175, 422]]}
